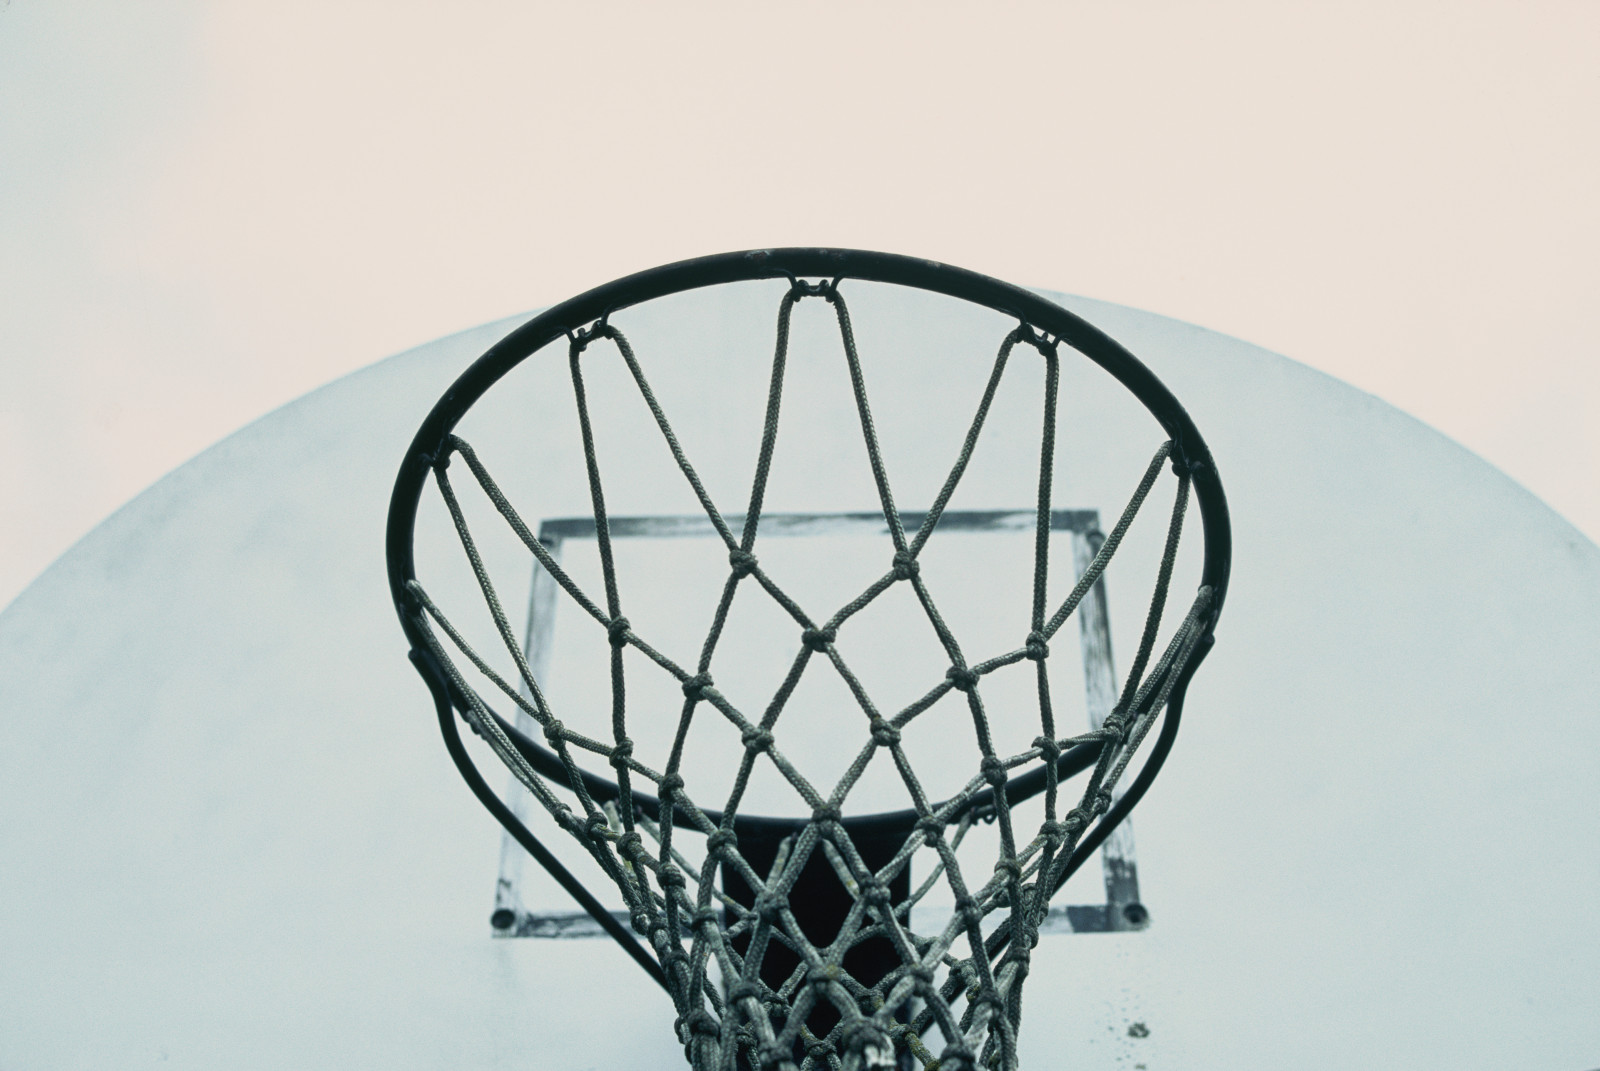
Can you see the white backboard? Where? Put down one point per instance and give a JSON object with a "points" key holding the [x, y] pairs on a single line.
{"points": [[232, 837]]}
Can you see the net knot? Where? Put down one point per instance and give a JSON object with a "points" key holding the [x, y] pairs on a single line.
{"points": [[962, 678], [861, 1035], [875, 893], [1074, 820], [820, 1049], [756, 739], [630, 845], [596, 825], [994, 771], [817, 639], [971, 914], [1024, 934], [640, 922], [905, 566], [921, 973], [987, 995], [885, 733], [743, 989], [768, 906], [1049, 750], [932, 830], [743, 562], [1053, 832], [703, 917], [699, 1021], [617, 631], [554, 730], [621, 752], [1037, 648], [566, 819], [671, 877], [670, 783], [719, 841], [821, 978], [828, 812], [1022, 954], [957, 1057], [695, 686], [1102, 802], [1010, 868], [1111, 728]]}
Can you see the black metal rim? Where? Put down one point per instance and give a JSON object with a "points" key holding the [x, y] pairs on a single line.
{"points": [[1188, 445], [1189, 448]]}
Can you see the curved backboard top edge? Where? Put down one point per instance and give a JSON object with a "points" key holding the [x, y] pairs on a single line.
{"points": [[266, 422], [1102, 309]]}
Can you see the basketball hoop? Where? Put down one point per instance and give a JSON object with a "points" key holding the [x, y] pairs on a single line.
{"points": [[788, 941]]}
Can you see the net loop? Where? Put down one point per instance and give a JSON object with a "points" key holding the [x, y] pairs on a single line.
{"points": [[826, 289], [579, 340]]}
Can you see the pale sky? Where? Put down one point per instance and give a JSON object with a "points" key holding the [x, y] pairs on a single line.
{"points": [[208, 210]]}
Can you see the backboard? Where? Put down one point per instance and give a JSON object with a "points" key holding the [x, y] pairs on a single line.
{"points": [[232, 837]]}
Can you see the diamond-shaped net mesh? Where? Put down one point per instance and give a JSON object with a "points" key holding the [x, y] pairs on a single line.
{"points": [[947, 999]]}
